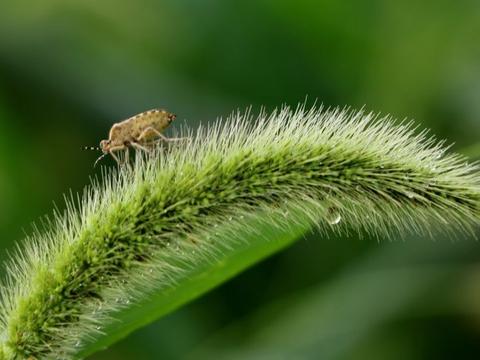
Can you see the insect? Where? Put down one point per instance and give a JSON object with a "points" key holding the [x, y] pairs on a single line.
{"points": [[138, 132]]}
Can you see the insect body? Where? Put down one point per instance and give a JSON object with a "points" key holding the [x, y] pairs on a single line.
{"points": [[137, 131]]}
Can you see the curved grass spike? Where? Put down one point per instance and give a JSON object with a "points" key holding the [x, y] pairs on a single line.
{"points": [[135, 234]]}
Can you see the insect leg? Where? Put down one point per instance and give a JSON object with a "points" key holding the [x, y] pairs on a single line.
{"points": [[117, 148], [115, 157], [150, 129], [139, 147]]}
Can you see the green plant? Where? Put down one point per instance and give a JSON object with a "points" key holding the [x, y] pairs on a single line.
{"points": [[185, 219]]}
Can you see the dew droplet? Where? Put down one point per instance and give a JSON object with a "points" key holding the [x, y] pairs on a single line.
{"points": [[78, 343], [335, 220], [333, 216], [98, 327], [410, 194]]}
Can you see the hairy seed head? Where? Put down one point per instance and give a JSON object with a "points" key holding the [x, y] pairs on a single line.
{"points": [[345, 170]]}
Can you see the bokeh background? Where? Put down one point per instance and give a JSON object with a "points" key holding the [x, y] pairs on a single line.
{"points": [[71, 68]]}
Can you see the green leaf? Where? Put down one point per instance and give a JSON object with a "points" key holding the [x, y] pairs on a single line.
{"points": [[150, 234], [250, 249]]}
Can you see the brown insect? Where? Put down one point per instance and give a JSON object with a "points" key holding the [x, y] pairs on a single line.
{"points": [[138, 132]]}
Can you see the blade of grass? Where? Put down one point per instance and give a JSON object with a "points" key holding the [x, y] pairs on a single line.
{"points": [[147, 228], [205, 276]]}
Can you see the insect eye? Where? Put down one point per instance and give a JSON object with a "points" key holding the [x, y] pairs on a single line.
{"points": [[104, 144], [171, 117]]}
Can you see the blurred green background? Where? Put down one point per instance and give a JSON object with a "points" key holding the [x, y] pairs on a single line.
{"points": [[71, 68]]}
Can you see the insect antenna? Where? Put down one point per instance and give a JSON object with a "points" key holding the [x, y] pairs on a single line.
{"points": [[95, 148], [100, 158]]}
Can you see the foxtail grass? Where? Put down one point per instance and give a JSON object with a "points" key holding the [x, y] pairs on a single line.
{"points": [[131, 233]]}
